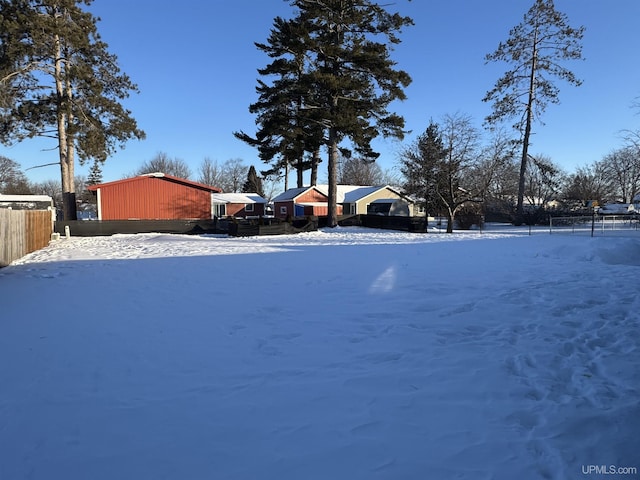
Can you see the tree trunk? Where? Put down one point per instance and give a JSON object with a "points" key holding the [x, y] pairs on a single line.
{"points": [[314, 167], [450, 218], [332, 214], [300, 172], [65, 145], [527, 134], [286, 176]]}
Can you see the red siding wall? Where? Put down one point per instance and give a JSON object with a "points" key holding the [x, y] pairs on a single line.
{"points": [[278, 205], [320, 210], [154, 198], [237, 210], [311, 196]]}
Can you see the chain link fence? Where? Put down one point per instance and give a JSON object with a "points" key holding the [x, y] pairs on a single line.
{"points": [[596, 225]]}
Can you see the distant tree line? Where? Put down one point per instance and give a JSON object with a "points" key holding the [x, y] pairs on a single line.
{"points": [[456, 173]]}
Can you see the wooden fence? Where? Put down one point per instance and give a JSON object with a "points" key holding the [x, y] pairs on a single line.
{"points": [[93, 228], [23, 232], [272, 226]]}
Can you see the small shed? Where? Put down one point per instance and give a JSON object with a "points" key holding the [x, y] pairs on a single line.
{"points": [[154, 196], [237, 205]]}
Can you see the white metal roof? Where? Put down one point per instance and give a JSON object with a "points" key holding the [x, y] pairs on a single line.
{"points": [[237, 198], [25, 198]]}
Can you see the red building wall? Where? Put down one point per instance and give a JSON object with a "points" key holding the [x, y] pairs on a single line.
{"points": [[153, 198], [238, 210], [283, 209], [311, 196]]}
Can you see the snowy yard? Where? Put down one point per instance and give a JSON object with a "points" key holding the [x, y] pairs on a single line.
{"points": [[338, 354]]}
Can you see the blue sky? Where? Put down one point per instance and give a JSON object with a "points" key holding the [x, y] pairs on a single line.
{"points": [[195, 64]]}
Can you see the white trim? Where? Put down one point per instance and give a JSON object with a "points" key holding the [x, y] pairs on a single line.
{"points": [[99, 200]]}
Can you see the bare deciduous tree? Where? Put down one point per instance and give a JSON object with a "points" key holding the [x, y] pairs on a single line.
{"points": [[622, 167], [589, 183], [12, 180], [544, 181], [357, 171], [210, 173], [164, 164], [234, 175]]}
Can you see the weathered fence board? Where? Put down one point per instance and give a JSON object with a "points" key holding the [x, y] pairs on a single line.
{"points": [[23, 232]]}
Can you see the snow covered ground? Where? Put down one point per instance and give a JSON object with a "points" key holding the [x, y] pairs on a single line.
{"points": [[339, 354]]}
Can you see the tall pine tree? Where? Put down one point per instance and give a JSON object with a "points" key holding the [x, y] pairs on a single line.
{"points": [[285, 132], [353, 76], [334, 82], [58, 80], [419, 163], [535, 49]]}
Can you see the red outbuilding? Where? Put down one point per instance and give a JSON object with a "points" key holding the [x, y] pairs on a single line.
{"points": [[154, 196], [301, 202]]}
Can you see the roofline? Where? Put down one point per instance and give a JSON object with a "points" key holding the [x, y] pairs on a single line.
{"points": [[160, 175], [25, 198], [246, 196], [302, 192]]}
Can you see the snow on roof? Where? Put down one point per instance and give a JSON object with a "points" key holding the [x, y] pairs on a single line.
{"points": [[137, 178], [25, 198], [290, 194], [349, 193], [619, 208], [353, 193], [344, 193], [237, 198]]}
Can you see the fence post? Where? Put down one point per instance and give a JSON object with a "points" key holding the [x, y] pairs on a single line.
{"points": [[593, 222]]}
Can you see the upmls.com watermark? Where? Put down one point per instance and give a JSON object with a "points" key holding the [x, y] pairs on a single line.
{"points": [[608, 470]]}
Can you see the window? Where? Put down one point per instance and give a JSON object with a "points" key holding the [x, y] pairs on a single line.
{"points": [[248, 207], [219, 210], [283, 210]]}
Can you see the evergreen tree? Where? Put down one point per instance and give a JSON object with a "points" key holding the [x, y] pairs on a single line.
{"points": [[334, 82], [285, 133], [353, 76], [535, 48], [253, 183], [418, 164], [95, 174], [442, 167], [58, 80]]}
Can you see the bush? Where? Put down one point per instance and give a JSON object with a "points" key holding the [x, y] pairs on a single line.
{"points": [[468, 216]]}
